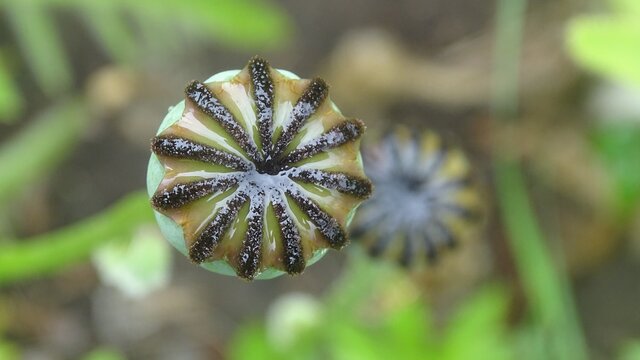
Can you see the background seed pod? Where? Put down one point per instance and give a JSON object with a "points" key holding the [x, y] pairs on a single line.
{"points": [[257, 172], [425, 198]]}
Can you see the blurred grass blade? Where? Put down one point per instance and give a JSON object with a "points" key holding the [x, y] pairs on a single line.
{"points": [[151, 29], [50, 252], [245, 23], [110, 29], [42, 48], [40, 146], [11, 103], [547, 291], [239, 23]]}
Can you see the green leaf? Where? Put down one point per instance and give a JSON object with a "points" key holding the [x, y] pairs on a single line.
{"points": [[40, 146], [246, 23], [38, 37], [136, 267], [45, 254], [351, 342], [626, 7], [630, 351], [104, 354], [618, 145], [608, 46], [250, 343], [358, 283], [479, 327], [11, 103], [9, 351], [406, 333]]}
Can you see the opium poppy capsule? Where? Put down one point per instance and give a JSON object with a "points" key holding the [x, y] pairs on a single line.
{"points": [[425, 198], [256, 173]]}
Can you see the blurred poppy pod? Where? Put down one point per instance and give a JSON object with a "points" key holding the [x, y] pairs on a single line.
{"points": [[425, 197]]}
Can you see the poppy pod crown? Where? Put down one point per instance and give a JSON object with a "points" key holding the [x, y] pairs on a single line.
{"points": [[256, 173]]}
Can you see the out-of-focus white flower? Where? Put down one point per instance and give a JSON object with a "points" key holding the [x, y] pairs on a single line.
{"points": [[290, 316], [137, 267], [616, 102]]}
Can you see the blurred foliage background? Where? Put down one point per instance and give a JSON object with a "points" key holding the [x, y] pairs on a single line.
{"points": [[543, 95]]}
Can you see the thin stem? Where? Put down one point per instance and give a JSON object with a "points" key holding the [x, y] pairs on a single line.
{"points": [[41, 255], [509, 28], [40, 147], [547, 289]]}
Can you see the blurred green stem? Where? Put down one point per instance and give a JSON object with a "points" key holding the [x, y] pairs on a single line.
{"points": [[40, 146], [509, 28], [41, 44], [52, 251], [548, 292], [11, 103], [547, 289]]}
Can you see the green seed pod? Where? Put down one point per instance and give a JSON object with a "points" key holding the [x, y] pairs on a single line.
{"points": [[256, 173], [425, 198]]}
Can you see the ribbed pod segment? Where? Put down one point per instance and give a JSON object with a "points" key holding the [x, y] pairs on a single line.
{"points": [[261, 171]]}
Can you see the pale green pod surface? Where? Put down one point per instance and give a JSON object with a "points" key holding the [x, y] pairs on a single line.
{"points": [[256, 173]]}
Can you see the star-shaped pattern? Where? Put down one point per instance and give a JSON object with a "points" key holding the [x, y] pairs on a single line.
{"points": [[261, 171], [425, 197]]}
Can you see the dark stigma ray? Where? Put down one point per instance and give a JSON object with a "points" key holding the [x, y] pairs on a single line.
{"points": [[415, 146], [430, 246], [180, 148], [250, 255], [263, 94], [449, 185], [465, 213], [346, 184], [327, 224], [368, 221], [362, 228], [447, 236], [313, 96], [394, 152], [338, 135], [382, 240], [209, 238], [184, 193], [406, 256], [293, 257], [435, 165], [358, 231], [204, 99]]}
